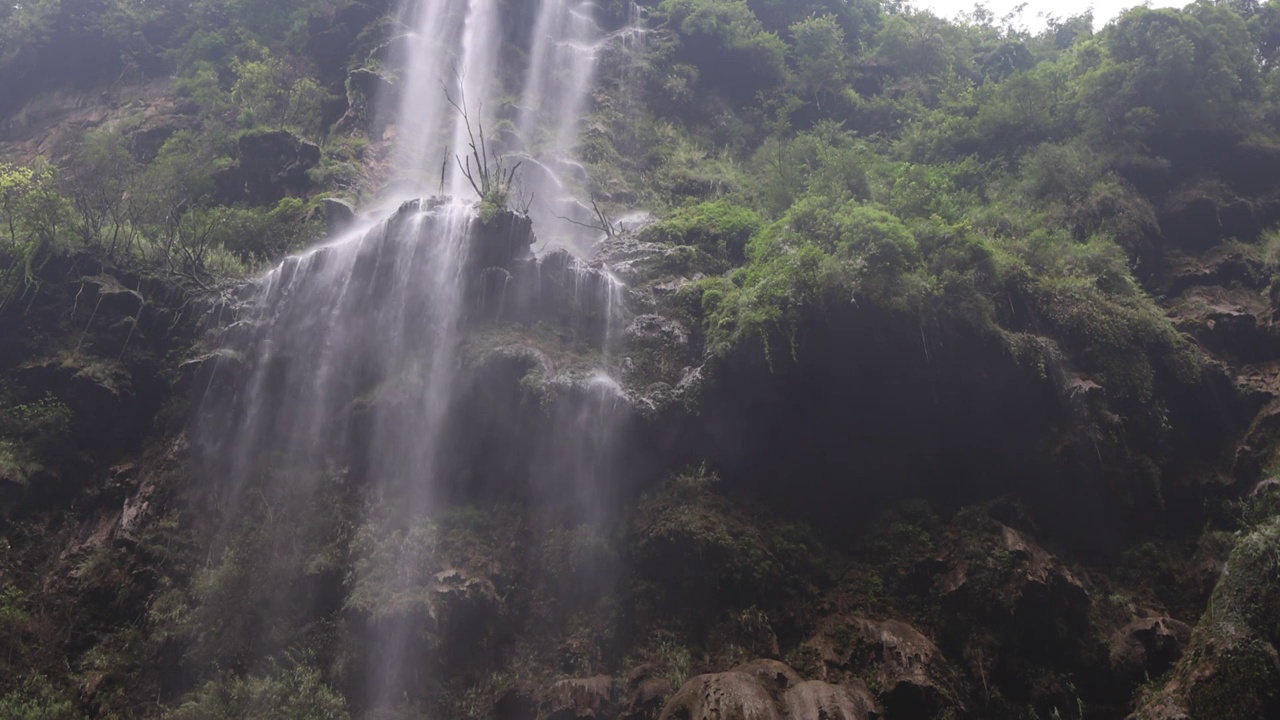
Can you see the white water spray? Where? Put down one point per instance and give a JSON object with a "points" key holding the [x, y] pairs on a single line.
{"points": [[351, 352]]}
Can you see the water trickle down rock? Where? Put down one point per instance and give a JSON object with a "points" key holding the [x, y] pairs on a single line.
{"points": [[351, 354]]}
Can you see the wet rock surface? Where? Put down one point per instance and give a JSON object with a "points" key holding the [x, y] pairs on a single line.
{"points": [[735, 695], [338, 214], [913, 676], [767, 689], [271, 166], [580, 699], [1148, 647], [1231, 669], [816, 699]]}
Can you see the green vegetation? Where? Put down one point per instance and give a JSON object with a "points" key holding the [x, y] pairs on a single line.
{"points": [[810, 164], [293, 692], [696, 551], [161, 216], [1232, 670], [235, 67], [37, 700]]}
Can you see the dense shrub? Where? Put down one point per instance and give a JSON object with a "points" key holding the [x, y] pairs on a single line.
{"points": [[720, 228]]}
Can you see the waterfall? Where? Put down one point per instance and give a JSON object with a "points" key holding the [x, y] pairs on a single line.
{"points": [[568, 45], [352, 354], [562, 61], [452, 53]]}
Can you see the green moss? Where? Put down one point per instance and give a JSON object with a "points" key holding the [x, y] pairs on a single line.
{"points": [[1088, 299], [1250, 587], [719, 228], [695, 550], [1243, 686], [1232, 669]]}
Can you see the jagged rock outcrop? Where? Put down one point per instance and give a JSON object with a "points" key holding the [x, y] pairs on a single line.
{"points": [[92, 340], [1009, 574]]}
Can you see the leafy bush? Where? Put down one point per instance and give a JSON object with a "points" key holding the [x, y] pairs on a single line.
{"points": [[821, 251], [720, 228], [292, 692], [825, 160], [37, 699], [820, 58], [43, 424], [268, 93], [728, 44]]}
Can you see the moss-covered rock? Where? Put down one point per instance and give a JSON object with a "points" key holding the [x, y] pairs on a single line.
{"points": [[1232, 668], [727, 695], [693, 549], [909, 674]]}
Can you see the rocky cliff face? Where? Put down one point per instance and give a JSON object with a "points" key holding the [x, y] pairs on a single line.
{"points": [[876, 511], [867, 536]]}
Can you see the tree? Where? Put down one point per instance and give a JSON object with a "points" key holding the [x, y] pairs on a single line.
{"points": [[268, 93], [99, 180], [31, 211], [820, 57], [32, 215], [728, 45], [1167, 73]]}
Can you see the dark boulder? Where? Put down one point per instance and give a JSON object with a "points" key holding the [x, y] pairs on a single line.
{"points": [[517, 703], [1148, 647], [339, 215], [914, 678], [147, 139], [644, 693], [501, 240], [774, 676], [272, 165]]}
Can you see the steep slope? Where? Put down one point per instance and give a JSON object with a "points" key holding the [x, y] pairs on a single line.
{"points": [[938, 380]]}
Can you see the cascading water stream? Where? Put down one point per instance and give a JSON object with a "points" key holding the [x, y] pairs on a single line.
{"points": [[562, 61], [430, 131], [568, 44], [351, 353]]}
